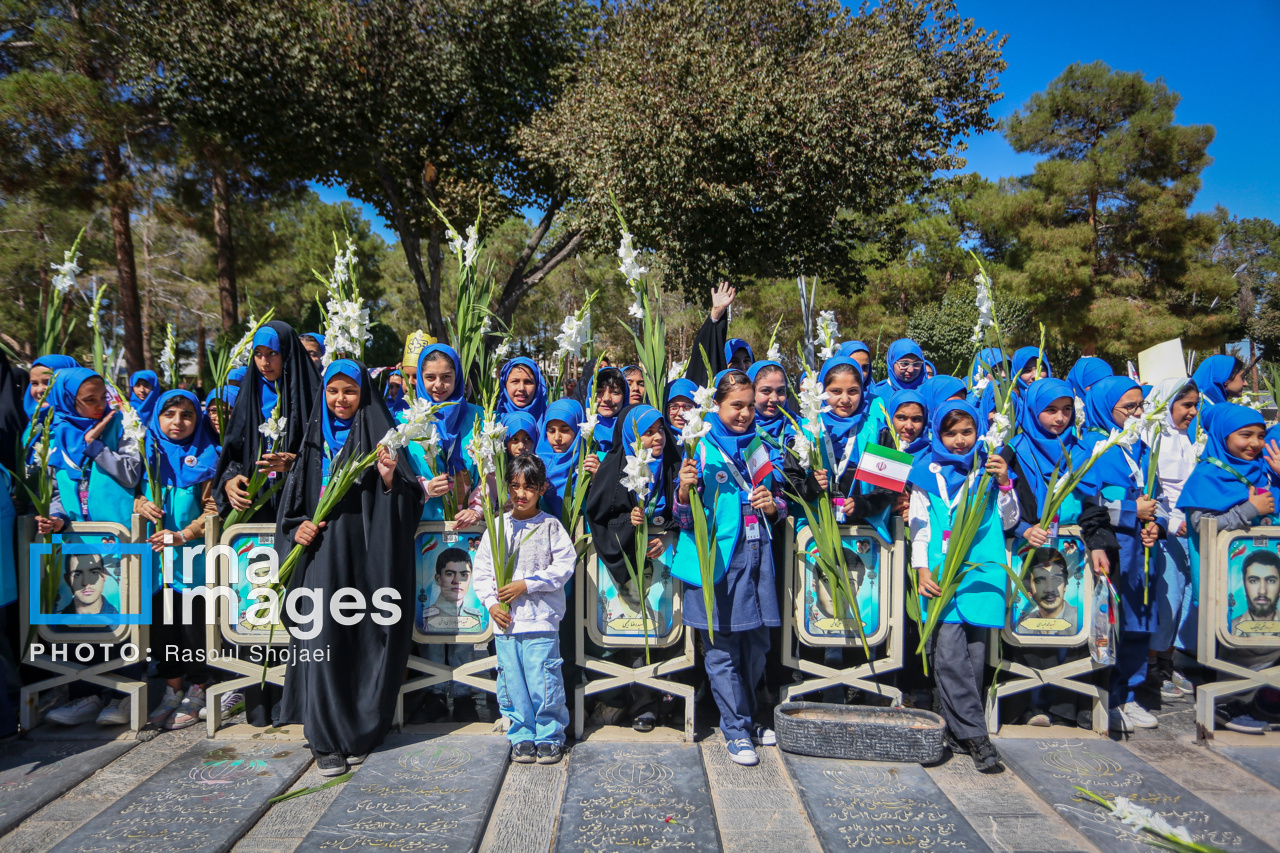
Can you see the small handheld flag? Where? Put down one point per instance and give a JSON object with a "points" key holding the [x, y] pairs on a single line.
{"points": [[884, 466], [758, 461]]}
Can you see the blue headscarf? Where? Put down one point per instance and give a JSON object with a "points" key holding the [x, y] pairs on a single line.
{"points": [[54, 363], [66, 434], [733, 345], [953, 467], [940, 388], [561, 465], [841, 429], [989, 359], [335, 429], [776, 424], [397, 401], [1039, 451], [1212, 489], [1024, 358], [188, 462], [1112, 468], [237, 374], [899, 350], [318, 338], [681, 388], [538, 405], [848, 348], [227, 393], [1086, 372], [732, 445], [929, 368], [451, 421], [145, 407], [987, 407], [603, 434], [1211, 378], [902, 398], [520, 422], [267, 391], [638, 420]]}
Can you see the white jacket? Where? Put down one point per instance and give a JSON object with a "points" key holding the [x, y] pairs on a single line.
{"points": [[545, 560]]}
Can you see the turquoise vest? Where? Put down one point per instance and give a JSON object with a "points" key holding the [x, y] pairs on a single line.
{"points": [[868, 433], [433, 508], [182, 506], [8, 556], [719, 482], [108, 499], [980, 598]]}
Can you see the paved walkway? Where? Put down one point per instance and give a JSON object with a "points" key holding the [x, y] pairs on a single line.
{"points": [[78, 790]]}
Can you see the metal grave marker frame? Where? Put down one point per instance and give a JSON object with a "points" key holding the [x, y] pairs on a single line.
{"points": [[1222, 616], [135, 631], [1020, 632], [807, 616]]}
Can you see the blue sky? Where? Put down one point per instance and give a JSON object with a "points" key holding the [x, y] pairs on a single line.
{"points": [[1222, 58]]}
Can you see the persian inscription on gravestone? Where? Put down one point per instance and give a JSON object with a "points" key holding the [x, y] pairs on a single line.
{"points": [[416, 794], [203, 800], [1053, 769], [628, 796], [856, 805], [1261, 761], [34, 773]]}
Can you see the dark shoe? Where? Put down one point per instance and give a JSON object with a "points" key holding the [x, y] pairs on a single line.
{"points": [[524, 752], [331, 763], [645, 722], [956, 746], [985, 757], [432, 708], [550, 753], [464, 710]]}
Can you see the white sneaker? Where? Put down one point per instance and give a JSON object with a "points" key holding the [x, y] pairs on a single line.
{"points": [[188, 713], [76, 712], [764, 736], [116, 713], [168, 704], [1140, 716], [1119, 722], [227, 703]]}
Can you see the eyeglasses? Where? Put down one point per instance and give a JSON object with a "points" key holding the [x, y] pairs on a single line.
{"points": [[680, 407], [1129, 408], [909, 363]]}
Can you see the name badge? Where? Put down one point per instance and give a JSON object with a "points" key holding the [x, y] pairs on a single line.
{"points": [[946, 540], [450, 537], [751, 523], [838, 505]]}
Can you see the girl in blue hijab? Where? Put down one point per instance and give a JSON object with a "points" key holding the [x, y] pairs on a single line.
{"points": [[906, 368], [1023, 366], [313, 343], [1085, 372], [1219, 378], [958, 645], [95, 468], [1118, 480], [38, 379], [678, 401], [397, 400], [440, 380], [182, 445], [770, 380], [990, 360], [940, 389], [738, 354], [522, 388], [852, 349], [910, 424], [744, 596], [559, 447], [145, 402]]}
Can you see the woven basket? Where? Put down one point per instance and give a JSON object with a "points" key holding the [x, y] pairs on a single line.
{"points": [[859, 732]]}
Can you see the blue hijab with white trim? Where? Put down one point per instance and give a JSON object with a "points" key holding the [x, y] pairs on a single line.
{"points": [[1211, 488], [952, 467], [190, 461]]}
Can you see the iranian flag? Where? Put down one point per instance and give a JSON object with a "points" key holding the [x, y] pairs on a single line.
{"points": [[884, 466], [758, 461]]}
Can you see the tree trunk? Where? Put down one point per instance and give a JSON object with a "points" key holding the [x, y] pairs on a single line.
{"points": [[148, 354], [227, 295], [202, 357], [126, 270]]}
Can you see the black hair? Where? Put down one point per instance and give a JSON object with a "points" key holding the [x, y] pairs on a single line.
{"points": [[437, 355], [842, 369], [770, 368], [526, 368], [633, 369], [1047, 558], [954, 417], [452, 555], [179, 400], [732, 380], [1265, 558], [612, 379], [1185, 390], [857, 568], [530, 467], [1237, 368]]}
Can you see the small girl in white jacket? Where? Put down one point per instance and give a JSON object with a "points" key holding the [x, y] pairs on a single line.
{"points": [[526, 614]]}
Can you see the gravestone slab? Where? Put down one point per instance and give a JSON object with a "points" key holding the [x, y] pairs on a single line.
{"points": [[416, 794], [865, 804], [203, 800], [1052, 768], [621, 796], [1261, 761], [33, 773]]}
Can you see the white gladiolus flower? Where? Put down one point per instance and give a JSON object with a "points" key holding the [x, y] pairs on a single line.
{"points": [[455, 240], [395, 440], [503, 350], [986, 306], [976, 337], [430, 441], [588, 427], [694, 428], [705, 399], [472, 247], [240, 353], [1131, 432], [487, 443], [636, 476], [637, 309], [273, 428], [677, 370], [827, 327], [826, 353], [997, 433], [629, 268], [1079, 412], [573, 334], [169, 361], [812, 401], [131, 425], [773, 354], [982, 383], [803, 448], [67, 271]]}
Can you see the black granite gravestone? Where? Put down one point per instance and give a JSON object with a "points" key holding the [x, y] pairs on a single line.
{"points": [[1261, 761], [1054, 767], [625, 796], [33, 773], [416, 794], [203, 800], [878, 805]]}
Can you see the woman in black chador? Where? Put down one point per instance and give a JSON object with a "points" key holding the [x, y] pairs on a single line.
{"points": [[342, 684]]}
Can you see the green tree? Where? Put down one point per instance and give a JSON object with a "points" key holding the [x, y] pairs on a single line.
{"points": [[746, 138], [1098, 239], [1250, 251]]}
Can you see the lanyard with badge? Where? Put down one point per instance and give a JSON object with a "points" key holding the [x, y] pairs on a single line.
{"points": [[838, 499], [750, 520], [946, 498]]}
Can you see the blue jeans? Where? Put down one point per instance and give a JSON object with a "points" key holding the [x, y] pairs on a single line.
{"points": [[453, 654], [1175, 598], [531, 686], [735, 664]]}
